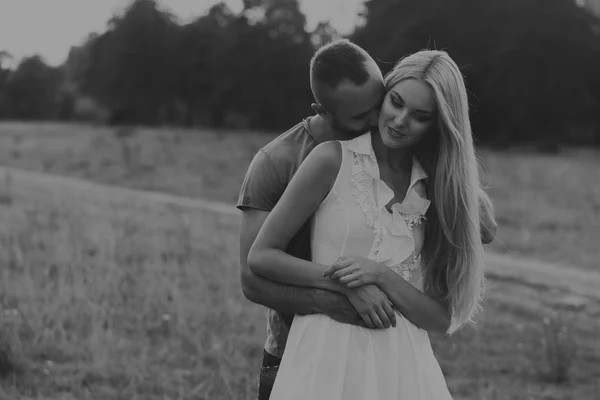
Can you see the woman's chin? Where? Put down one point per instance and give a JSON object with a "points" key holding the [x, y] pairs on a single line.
{"points": [[393, 141]]}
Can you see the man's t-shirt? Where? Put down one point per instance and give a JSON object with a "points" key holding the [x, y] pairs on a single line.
{"points": [[268, 175]]}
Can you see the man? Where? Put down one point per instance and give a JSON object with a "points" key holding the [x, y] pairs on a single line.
{"points": [[348, 88]]}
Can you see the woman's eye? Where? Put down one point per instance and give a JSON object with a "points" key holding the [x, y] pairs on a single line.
{"points": [[397, 103]]}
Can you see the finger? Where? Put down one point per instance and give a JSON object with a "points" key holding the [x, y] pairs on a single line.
{"points": [[342, 272], [354, 284], [367, 318], [389, 310], [336, 266], [376, 320], [329, 270], [349, 278], [383, 317], [343, 262]]}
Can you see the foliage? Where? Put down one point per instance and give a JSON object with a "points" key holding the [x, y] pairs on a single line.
{"points": [[531, 66]]}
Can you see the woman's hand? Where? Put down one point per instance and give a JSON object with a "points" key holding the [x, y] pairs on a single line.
{"points": [[353, 272]]}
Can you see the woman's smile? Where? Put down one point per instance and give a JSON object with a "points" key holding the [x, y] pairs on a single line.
{"points": [[395, 133]]}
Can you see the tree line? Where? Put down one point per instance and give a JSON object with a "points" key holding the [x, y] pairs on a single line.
{"points": [[531, 66]]}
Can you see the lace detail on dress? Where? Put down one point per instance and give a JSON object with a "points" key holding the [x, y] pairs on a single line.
{"points": [[409, 271], [412, 220], [405, 268], [363, 194]]}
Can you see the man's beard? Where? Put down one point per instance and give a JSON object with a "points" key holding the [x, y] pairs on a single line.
{"points": [[347, 133]]}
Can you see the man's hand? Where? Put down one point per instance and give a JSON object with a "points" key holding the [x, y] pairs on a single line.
{"points": [[341, 310], [373, 306]]}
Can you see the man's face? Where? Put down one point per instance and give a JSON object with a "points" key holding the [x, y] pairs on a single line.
{"points": [[355, 109]]}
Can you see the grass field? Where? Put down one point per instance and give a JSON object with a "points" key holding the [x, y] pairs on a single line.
{"points": [[104, 297], [547, 206], [108, 298]]}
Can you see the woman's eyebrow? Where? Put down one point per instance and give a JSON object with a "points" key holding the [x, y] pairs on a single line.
{"points": [[396, 94]]}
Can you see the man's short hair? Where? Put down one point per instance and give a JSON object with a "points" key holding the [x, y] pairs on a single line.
{"points": [[335, 62]]}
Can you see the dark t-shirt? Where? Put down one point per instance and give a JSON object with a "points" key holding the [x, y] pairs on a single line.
{"points": [[268, 175]]}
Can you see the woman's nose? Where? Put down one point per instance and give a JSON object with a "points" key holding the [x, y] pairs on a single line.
{"points": [[401, 118]]}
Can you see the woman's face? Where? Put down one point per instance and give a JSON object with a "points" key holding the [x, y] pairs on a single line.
{"points": [[408, 114]]}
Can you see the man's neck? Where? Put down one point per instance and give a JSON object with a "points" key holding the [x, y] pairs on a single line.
{"points": [[323, 131]]}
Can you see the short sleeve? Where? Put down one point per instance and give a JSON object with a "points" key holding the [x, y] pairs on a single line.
{"points": [[262, 187]]}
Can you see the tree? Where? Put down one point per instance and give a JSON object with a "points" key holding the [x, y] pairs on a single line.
{"points": [[132, 67], [32, 90], [271, 87], [204, 52], [529, 64], [5, 71], [323, 34]]}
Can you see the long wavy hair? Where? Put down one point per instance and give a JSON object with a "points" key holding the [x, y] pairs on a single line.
{"points": [[452, 255]]}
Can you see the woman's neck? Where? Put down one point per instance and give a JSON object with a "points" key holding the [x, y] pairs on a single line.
{"points": [[397, 160]]}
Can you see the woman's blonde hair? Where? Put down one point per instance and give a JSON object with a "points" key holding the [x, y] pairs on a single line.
{"points": [[452, 254]]}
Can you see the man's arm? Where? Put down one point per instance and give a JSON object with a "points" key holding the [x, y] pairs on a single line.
{"points": [[486, 215]]}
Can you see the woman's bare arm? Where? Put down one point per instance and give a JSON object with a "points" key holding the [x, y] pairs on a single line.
{"points": [[301, 199], [425, 310], [285, 298]]}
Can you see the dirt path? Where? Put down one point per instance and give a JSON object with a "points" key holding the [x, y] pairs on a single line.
{"points": [[499, 266]]}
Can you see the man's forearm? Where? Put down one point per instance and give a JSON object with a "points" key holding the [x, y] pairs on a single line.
{"points": [[299, 300], [284, 298]]}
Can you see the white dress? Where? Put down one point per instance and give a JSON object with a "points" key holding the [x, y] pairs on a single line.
{"points": [[328, 360]]}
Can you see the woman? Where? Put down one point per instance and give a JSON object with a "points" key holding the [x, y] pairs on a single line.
{"points": [[398, 209]]}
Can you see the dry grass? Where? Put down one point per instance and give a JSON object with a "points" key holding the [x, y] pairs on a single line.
{"points": [[108, 300], [548, 206], [104, 297], [189, 163]]}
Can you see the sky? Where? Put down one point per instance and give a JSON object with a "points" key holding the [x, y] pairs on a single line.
{"points": [[50, 27]]}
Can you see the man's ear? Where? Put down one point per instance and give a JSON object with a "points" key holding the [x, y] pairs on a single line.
{"points": [[322, 111], [319, 109]]}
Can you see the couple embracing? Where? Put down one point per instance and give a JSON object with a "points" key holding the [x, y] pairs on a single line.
{"points": [[363, 229]]}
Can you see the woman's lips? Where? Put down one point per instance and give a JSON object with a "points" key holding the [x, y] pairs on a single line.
{"points": [[395, 133]]}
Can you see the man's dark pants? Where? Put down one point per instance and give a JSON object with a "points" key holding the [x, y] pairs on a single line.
{"points": [[268, 371]]}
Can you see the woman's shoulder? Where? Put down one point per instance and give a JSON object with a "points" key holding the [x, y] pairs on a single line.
{"points": [[323, 163], [328, 155]]}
